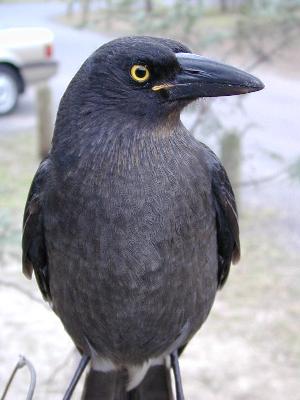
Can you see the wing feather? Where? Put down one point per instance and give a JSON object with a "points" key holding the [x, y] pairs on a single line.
{"points": [[33, 241], [226, 221]]}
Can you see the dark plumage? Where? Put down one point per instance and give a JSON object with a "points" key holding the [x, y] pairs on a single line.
{"points": [[130, 224]]}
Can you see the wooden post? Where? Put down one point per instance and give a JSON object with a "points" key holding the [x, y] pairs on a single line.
{"points": [[44, 119], [231, 158]]}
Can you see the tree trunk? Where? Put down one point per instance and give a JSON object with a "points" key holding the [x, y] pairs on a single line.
{"points": [[224, 6], [70, 8], [108, 15], [85, 10], [148, 6]]}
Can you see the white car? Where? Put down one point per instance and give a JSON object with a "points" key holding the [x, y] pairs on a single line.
{"points": [[26, 57]]}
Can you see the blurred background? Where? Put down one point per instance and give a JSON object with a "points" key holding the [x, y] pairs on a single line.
{"points": [[250, 346]]}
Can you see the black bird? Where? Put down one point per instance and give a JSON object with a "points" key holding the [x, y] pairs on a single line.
{"points": [[131, 224]]}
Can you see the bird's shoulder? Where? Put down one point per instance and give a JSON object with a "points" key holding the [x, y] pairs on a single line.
{"points": [[34, 257]]}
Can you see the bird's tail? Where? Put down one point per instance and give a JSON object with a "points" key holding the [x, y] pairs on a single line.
{"points": [[112, 386]]}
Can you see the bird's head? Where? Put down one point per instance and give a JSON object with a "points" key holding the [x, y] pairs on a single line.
{"points": [[151, 78]]}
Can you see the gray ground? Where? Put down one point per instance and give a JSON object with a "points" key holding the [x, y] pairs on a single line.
{"points": [[249, 348]]}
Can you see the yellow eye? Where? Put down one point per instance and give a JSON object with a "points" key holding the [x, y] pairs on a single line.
{"points": [[140, 73]]}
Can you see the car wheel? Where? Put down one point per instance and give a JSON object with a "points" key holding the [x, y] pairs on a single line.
{"points": [[8, 89]]}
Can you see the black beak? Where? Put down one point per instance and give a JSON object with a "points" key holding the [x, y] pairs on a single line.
{"points": [[202, 77]]}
